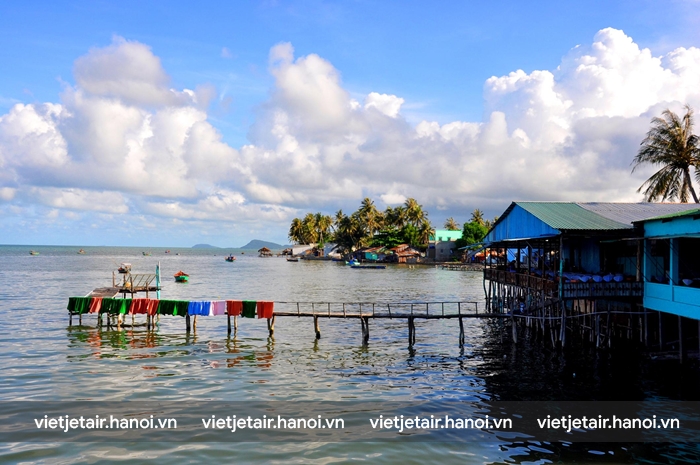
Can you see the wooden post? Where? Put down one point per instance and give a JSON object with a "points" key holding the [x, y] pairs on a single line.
{"points": [[514, 328], [365, 338], [461, 331], [680, 338], [562, 335], [194, 323], [316, 328], [228, 317], [271, 325], [187, 322], [70, 318], [235, 324], [410, 330]]}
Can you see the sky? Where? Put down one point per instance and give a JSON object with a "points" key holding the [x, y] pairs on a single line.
{"points": [[176, 123]]}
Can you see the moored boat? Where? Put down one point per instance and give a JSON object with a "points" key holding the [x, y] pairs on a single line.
{"points": [[181, 277], [146, 254], [292, 259], [368, 267], [230, 258], [124, 268], [353, 262], [33, 252]]}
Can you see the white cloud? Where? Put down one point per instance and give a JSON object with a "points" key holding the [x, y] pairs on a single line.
{"points": [[123, 142]]}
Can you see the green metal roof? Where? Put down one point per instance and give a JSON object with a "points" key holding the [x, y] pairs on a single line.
{"points": [[671, 216], [570, 216]]}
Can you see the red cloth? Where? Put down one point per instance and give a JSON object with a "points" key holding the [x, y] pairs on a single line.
{"points": [[152, 306], [95, 305], [138, 307], [234, 307], [265, 309]]}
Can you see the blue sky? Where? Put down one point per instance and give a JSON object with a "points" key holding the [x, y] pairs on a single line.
{"points": [[242, 115]]}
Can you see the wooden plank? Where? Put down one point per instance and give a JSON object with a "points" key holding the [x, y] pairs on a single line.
{"points": [[104, 292]]}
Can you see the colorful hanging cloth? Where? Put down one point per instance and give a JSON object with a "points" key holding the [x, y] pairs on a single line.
{"points": [[265, 309], [95, 305], [218, 307], [249, 308], [234, 307], [201, 308], [78, 305]]}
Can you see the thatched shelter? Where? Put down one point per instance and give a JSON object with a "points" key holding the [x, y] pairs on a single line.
{"points": [[265, 252]]}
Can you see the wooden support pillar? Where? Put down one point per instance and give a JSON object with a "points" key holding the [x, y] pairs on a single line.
{"points": [[461, 331], [365, 330], [194, 323], [411, 331], [562, 334], [148, 322], [70, 318], [271, 325], [187, 323], [235, 324], [316, 328], [228, 317], [514, 328], [680, 339]]}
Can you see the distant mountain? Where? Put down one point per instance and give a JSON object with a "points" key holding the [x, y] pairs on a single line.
{"points": [[205, 246], [256, 244]]}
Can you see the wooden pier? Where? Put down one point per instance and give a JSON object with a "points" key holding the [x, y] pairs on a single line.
{"points": [[363, 311]]}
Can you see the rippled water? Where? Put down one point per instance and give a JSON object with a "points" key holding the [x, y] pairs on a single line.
{"points": [[43, 358]]}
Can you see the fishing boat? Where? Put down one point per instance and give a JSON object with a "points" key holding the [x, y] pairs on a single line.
{"points": [[292, 259], [368, 267], [81, 252], [230, 258], [181, 277], [352, 262], [33, 252], [124, 268], [146, 254]]}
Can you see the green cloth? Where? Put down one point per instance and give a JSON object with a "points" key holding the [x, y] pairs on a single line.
{"points": [[115, 306], [79, 305], [173, 307], [249, 309]]}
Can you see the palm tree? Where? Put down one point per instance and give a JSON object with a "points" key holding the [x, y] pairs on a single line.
{"points": [[370, 217], [296, 231], [323, 225], [478, 217], [425, 230], [414, 212], [671, 143], [451, 224]]}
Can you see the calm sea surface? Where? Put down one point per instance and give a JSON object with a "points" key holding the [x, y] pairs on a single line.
{"points": [[42, 358]]}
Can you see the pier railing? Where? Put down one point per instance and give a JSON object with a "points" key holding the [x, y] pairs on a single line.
{"points": [[577, 290], [429, 310]]}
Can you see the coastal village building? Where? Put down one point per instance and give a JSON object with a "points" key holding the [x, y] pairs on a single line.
{"points": [[571, 259], [442, 246]]}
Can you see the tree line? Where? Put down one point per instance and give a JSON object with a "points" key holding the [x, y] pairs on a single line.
{"points": [[370, 227]]}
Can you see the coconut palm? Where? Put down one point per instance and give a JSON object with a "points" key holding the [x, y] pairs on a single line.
{"points": [[296, 231], [415, 213], [451, 224], [670, 143], [478, 217], [369, 216], [425, 230], [323, 226]]}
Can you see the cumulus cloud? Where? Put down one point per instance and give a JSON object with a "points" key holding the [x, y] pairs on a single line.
{"points": [[122, 141]]}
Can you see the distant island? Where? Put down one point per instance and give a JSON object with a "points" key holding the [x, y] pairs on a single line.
{"points": [[205, 246], [256, 244]]}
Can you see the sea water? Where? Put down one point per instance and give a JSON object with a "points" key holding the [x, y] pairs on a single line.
{"points": [[44, 359]]}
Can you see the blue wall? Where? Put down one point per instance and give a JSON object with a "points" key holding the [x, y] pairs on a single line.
{"points": [[520, 224]]}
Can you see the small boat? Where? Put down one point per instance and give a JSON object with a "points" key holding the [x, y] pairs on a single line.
{"points": [[292, 259], [146, 254], [230, 258], [181, 277], [353, 262], [33, 252], [81, 252], [124, 268], [368, 267]]}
